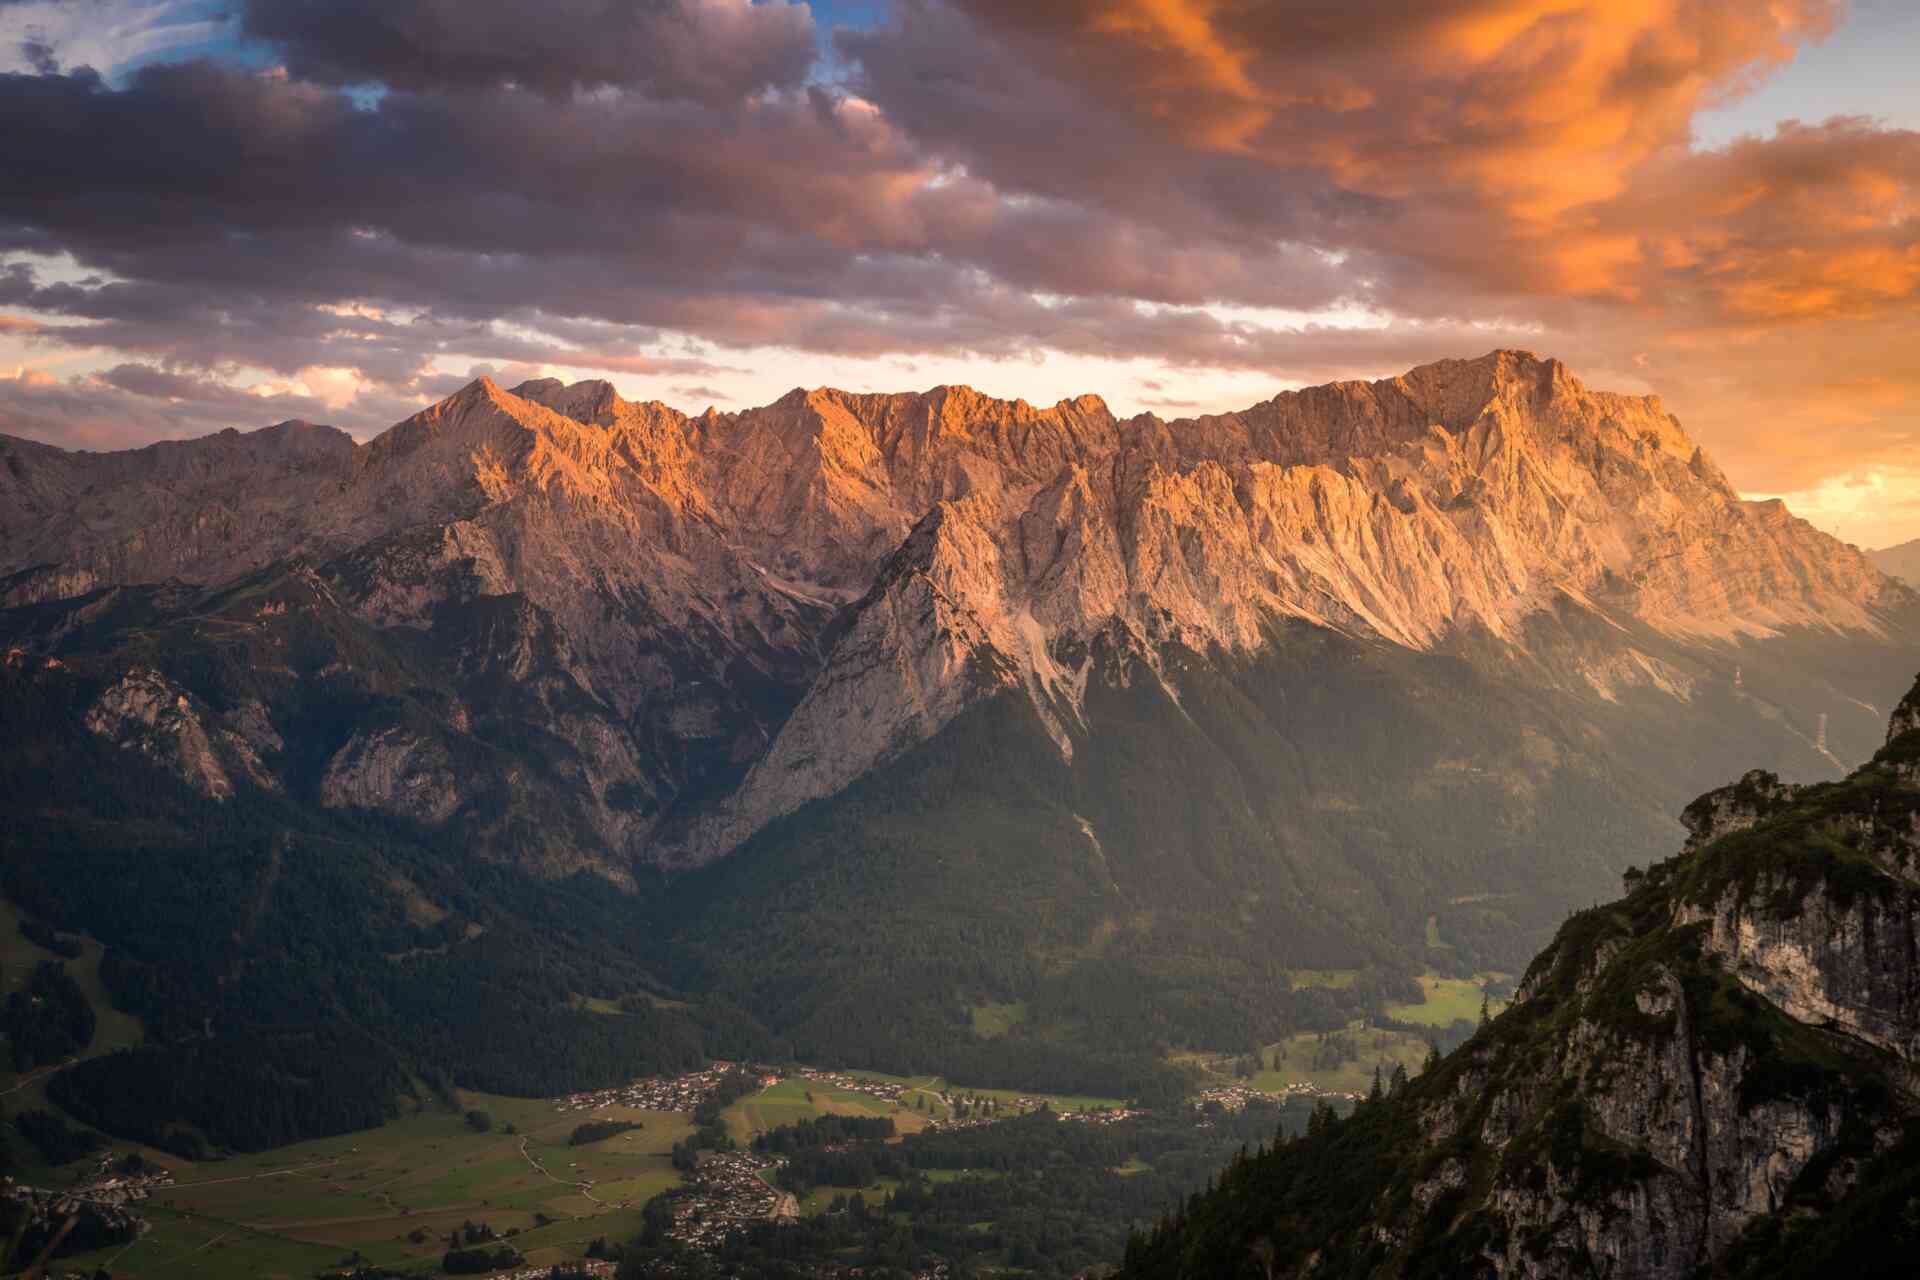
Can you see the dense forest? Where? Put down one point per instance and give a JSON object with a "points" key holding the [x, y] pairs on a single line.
{"points": [[47, 1020]]}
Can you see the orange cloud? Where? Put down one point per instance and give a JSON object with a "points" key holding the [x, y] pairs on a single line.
{"points": [[1812, 223], [1534, 107]]}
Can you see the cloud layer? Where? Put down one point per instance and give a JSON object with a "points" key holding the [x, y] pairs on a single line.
{"points": [[712, 51], [668, 188]]}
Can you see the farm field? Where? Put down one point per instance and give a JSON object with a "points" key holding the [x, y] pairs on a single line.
{"points": [[392, 1194], [1292, 1061], [1449, 1000], [788, 1102], [820, 1199], [1371, 1044]]}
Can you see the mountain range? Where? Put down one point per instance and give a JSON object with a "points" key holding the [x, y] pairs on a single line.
{"points": [[1901, 561], [833, 719]]}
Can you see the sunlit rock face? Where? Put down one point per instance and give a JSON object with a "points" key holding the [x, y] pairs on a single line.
{"points": [[728, 616]]}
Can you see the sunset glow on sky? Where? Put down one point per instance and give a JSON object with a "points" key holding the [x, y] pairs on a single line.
{"points": [[232, 212]]}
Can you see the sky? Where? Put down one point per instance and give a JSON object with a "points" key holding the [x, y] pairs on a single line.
{"points": [[221, 213]]}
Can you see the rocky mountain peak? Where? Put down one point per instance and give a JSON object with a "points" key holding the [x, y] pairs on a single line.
{"points": [[593, 402], [1459, 499]]}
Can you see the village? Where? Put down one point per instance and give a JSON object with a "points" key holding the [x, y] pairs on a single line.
{"points": [[1235, 1096], [588, 1267], [98, 1210], [729, 1190], [653, 1093]]}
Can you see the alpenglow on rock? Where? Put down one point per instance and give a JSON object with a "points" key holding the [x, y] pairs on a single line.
{"points": [[726, 617]]}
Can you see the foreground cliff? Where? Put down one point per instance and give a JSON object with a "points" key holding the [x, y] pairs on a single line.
{"points": [[1713, 1076]]}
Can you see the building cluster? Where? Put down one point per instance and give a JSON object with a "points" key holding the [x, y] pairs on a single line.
{"points": [[95, 1212], [840, 1271], [1101, 1116], [1235, 1096], [591, 1266], [728, 1191], [654, 1093]]}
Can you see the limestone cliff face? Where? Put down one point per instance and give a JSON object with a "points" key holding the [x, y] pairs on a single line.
{"points": [[770, 603], [146, 712], [204, 510], [394, 771], [1464, 497], [1695, 1080]]}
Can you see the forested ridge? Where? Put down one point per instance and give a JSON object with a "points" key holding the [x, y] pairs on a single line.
{"points": [[287, 988]]}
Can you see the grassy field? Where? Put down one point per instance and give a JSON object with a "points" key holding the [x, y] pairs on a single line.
{"points": [[1373, 1044], [794, 1100], [991, 1021], [1448, 1000], [290, 1211], [820, 1199], [797, 1099], [1057, 1101]]}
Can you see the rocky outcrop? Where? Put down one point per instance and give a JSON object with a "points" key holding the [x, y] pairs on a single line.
{"points": [[45, 582], [395, 771], [146, 712], [1727, 1050], [1735, 808]]}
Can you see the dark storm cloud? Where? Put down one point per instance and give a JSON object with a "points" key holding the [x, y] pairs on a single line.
{"points": [[39, 54], [220, 204], [713, 51]]}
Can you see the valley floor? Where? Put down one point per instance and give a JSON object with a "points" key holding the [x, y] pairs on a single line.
{"points": [[393, 1196]]}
